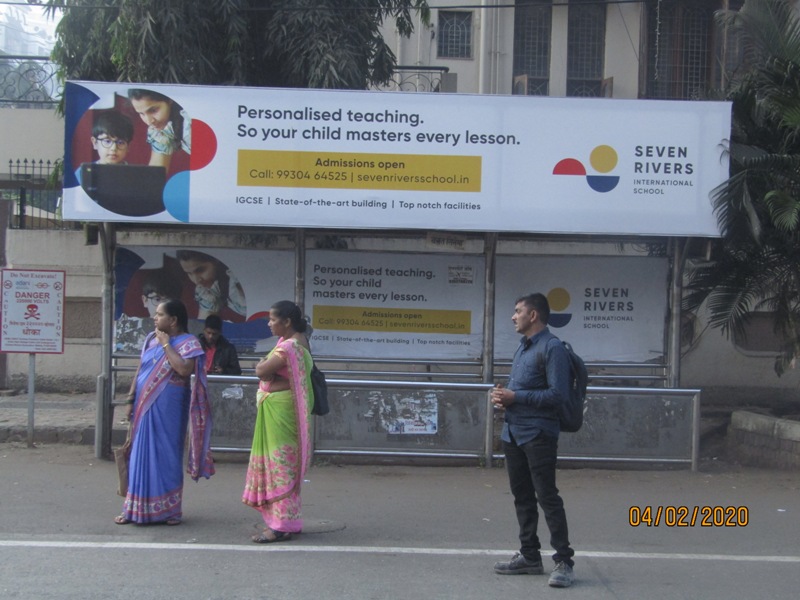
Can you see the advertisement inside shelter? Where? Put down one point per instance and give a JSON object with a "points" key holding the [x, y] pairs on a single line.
{"points": [[607, 308], [393, 305], [238, 285]]}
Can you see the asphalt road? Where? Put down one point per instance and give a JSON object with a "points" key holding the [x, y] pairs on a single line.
{"points": [[386, 532]]}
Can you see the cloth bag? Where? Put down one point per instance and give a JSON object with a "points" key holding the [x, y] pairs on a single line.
{"points": [[122, 457]]}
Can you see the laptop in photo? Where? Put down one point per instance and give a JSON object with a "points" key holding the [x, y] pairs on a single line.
{"points": [[130, 190]]}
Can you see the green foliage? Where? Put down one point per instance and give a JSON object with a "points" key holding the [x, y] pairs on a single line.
{"points": [[756, 264], [263, 43]]}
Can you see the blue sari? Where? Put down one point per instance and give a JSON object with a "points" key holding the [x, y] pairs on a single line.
{"points": [[165, 404]]}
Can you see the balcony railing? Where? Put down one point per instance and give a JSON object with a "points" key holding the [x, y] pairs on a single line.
{"points": [[28, 82], [417, 79]]}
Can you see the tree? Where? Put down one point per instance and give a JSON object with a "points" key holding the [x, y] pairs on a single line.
{"points": [[263, 43], [756, 264]]}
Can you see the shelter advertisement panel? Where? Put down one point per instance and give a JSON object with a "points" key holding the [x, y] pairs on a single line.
{"points": [[372, 160], [607, 308], [382, 305], [238, 285]]}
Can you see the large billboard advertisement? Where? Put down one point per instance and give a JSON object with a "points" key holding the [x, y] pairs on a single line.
{"points": [[238, 285], [344, 159], [607, 308]]}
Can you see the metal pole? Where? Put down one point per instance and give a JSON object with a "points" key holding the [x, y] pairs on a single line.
{"points": [[300, 269], [490, 251], [103, 415], [31, 386], [676, 293]]}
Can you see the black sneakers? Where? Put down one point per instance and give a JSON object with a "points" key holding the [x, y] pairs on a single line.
{"points": [[519, 565]]}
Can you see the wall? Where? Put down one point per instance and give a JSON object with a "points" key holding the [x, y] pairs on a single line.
{"points": [[30, 133]]}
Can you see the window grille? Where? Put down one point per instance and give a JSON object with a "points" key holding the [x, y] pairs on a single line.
{"points": [[586, 36], [686, 54], [532, 23], [454, 39]]}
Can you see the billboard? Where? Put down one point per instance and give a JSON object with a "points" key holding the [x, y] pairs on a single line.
{"points": [[372, 160]]}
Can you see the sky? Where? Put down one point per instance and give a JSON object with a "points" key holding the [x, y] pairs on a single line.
{"points": [[38, 31]]}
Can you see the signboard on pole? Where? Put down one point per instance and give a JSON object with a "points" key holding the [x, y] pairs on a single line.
{"points": [[32, 311]]}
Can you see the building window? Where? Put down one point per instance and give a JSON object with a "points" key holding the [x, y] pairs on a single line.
{"points": [[531, 69], [686, 53], [454, 38], [586, 37]]}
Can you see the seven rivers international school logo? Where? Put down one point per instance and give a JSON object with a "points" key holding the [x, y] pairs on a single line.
{"points": [[603, 160], [559, 301]]}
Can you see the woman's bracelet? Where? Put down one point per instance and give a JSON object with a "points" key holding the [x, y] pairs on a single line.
{"points": [[164, 346]]}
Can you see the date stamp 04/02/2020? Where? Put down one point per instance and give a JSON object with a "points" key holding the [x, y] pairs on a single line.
{"points": [[688, 516]]}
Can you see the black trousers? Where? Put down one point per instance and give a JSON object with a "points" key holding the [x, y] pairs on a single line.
{"points": [[532, 475]]}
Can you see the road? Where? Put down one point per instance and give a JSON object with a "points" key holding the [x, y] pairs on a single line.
{"points": [[390, 531]]}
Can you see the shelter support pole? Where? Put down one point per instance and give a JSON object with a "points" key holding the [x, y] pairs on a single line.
{"points": [[490, 252], [105, 411], [299, 270], [679, 247]]}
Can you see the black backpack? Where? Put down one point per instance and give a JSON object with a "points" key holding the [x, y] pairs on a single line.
{"points": [[570, 413], [319, 388]]}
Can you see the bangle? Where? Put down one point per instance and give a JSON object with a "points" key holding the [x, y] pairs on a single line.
{"points": [[165, 346]]}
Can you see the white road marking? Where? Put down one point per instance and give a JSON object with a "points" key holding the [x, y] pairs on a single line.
{"points": [[379, 550]]}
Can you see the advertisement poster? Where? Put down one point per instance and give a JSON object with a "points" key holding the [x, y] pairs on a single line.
{"points": [[391, 305], [607, 308], [237, 285], [33, 311], [372, 160]]}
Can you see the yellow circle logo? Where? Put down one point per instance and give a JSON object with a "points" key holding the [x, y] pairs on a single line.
{"points": [[603, 159], [558, 299]]}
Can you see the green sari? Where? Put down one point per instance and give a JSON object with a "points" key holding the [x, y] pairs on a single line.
{"points": [[281, 450]]}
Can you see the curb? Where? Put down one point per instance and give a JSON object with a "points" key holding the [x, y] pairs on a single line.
{"points": [[58, 435]]}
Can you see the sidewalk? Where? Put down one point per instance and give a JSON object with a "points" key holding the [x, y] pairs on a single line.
{"points": [[57, 418]]}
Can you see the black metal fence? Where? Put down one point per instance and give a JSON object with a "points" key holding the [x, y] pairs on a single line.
{"points": [[31, 194]]}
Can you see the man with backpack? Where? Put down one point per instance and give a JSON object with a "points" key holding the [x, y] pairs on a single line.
{"points": [[538, 383]]}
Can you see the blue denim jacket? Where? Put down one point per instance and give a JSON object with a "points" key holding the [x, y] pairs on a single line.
{"points": [[540, 380]]}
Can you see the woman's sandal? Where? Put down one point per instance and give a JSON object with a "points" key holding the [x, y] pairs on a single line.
{"points": [[121, 520], [269, 536], [173, 521]]}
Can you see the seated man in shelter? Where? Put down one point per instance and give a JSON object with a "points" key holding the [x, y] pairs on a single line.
{"points": [[221, 356]]}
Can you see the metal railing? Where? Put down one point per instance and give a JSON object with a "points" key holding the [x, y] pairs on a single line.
{"points": [[34, 199], [415, 79], [621, 425], [28, 82]]}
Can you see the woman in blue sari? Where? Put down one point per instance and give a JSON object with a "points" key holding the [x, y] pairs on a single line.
{"points": [[165, 403]]}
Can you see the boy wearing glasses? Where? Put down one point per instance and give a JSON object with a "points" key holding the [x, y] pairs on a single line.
{"points": [[112, 133]]}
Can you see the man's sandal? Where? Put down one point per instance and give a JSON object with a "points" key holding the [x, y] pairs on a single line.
{"points": [[269, 536]]}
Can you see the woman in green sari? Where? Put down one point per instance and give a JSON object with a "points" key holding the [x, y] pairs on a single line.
{"points": [[281, 450]]}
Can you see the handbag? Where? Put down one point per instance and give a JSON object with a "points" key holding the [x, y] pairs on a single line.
{"points": [[122, 457], [319, 388]]}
